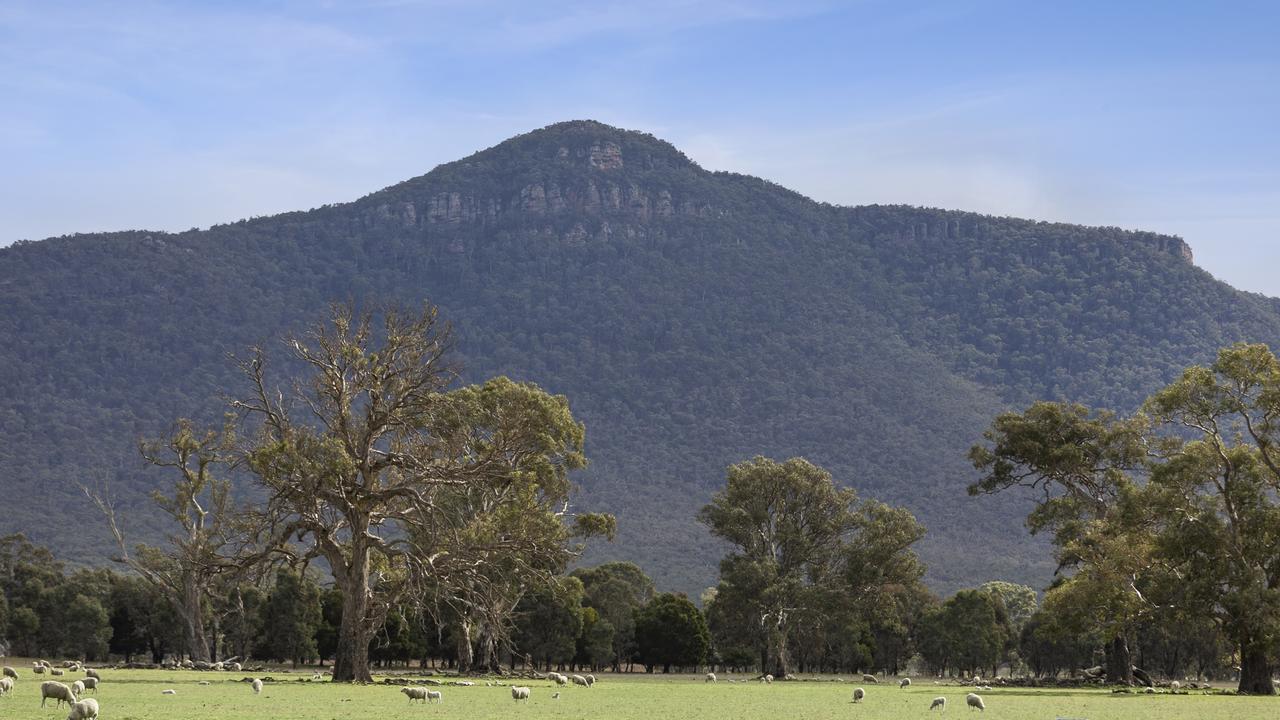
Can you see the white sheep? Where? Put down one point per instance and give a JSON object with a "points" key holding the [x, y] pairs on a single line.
{"points": [[37, 668], [10, 672], [1175, 685], [6, 684], [579, 680], [591, 680], [974, 702], [858, 694], [519, 693], [90, 672], [711, 677], [256, 685], [767, 679], [415, 693], [236, 667], [870, 679], [90, 683], [77, 687], [84, 710], [904, 682], [57, 691], [938, 702], [56, 671], [558, 678], [435, 695]]}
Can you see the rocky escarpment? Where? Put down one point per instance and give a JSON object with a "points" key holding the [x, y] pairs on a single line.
{"points": [[597, 180]]}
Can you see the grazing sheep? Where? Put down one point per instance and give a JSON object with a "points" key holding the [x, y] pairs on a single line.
{"points": [[579, 680], [90, 672], [77, 687], [57, 691], [560, 679], [84, 710], [90, 683], [56, 671], [6, 684], [37, 668], [519, 693], [938, 702], [168, 692], [591, 680], [974, 702], [10, 672], [257, 686], [1175, 685], [858, 694], [870, 679], [434, 695], [767, 679], [711, 677], [415, 693], [904, 682]]}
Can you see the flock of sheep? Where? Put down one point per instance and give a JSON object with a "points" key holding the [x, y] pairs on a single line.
{"points": [[86, 709]]}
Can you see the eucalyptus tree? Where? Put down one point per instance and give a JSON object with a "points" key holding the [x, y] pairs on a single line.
{"points": [[363, 460], [207, 541], [805, 551], [616, 590], [1081, 466], [1214, 499]]}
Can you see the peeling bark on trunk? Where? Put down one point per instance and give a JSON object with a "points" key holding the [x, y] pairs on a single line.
{"points": [[192, 610], [465, 655]]}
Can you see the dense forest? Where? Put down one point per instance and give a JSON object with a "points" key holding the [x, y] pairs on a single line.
{"points": [[691, 318]]}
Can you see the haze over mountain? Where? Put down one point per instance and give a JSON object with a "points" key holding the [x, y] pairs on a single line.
{"points": [[694, 319]]}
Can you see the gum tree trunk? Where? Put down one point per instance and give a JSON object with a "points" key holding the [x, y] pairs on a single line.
{"points": [[1255, 668], [351, 659], [192, 610], [1119, 663]]}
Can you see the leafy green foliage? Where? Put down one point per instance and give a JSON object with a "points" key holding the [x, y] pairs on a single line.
{"points": [[291, 618], [670, 631], [970, 633]]}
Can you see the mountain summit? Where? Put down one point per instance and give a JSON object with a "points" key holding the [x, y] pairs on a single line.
{"points": [[694, 319]]}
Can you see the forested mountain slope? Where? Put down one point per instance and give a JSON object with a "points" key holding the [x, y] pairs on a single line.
{"points": [[694, 319]]}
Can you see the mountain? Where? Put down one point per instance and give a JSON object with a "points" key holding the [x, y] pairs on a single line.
{"points": [[694, 319]]}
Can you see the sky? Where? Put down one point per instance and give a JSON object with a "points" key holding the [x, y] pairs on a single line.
{"points": [[168, 115]]}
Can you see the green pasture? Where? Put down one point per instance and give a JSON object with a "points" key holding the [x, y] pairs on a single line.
{"points": [[136, 695]]}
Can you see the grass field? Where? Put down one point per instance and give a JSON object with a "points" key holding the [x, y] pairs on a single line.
{"points": [[136, 695]]}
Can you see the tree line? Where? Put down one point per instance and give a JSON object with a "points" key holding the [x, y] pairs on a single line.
{"points": [[439, 518]]}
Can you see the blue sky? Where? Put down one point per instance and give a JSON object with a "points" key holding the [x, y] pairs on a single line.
{"points": [[1159, 115]]}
